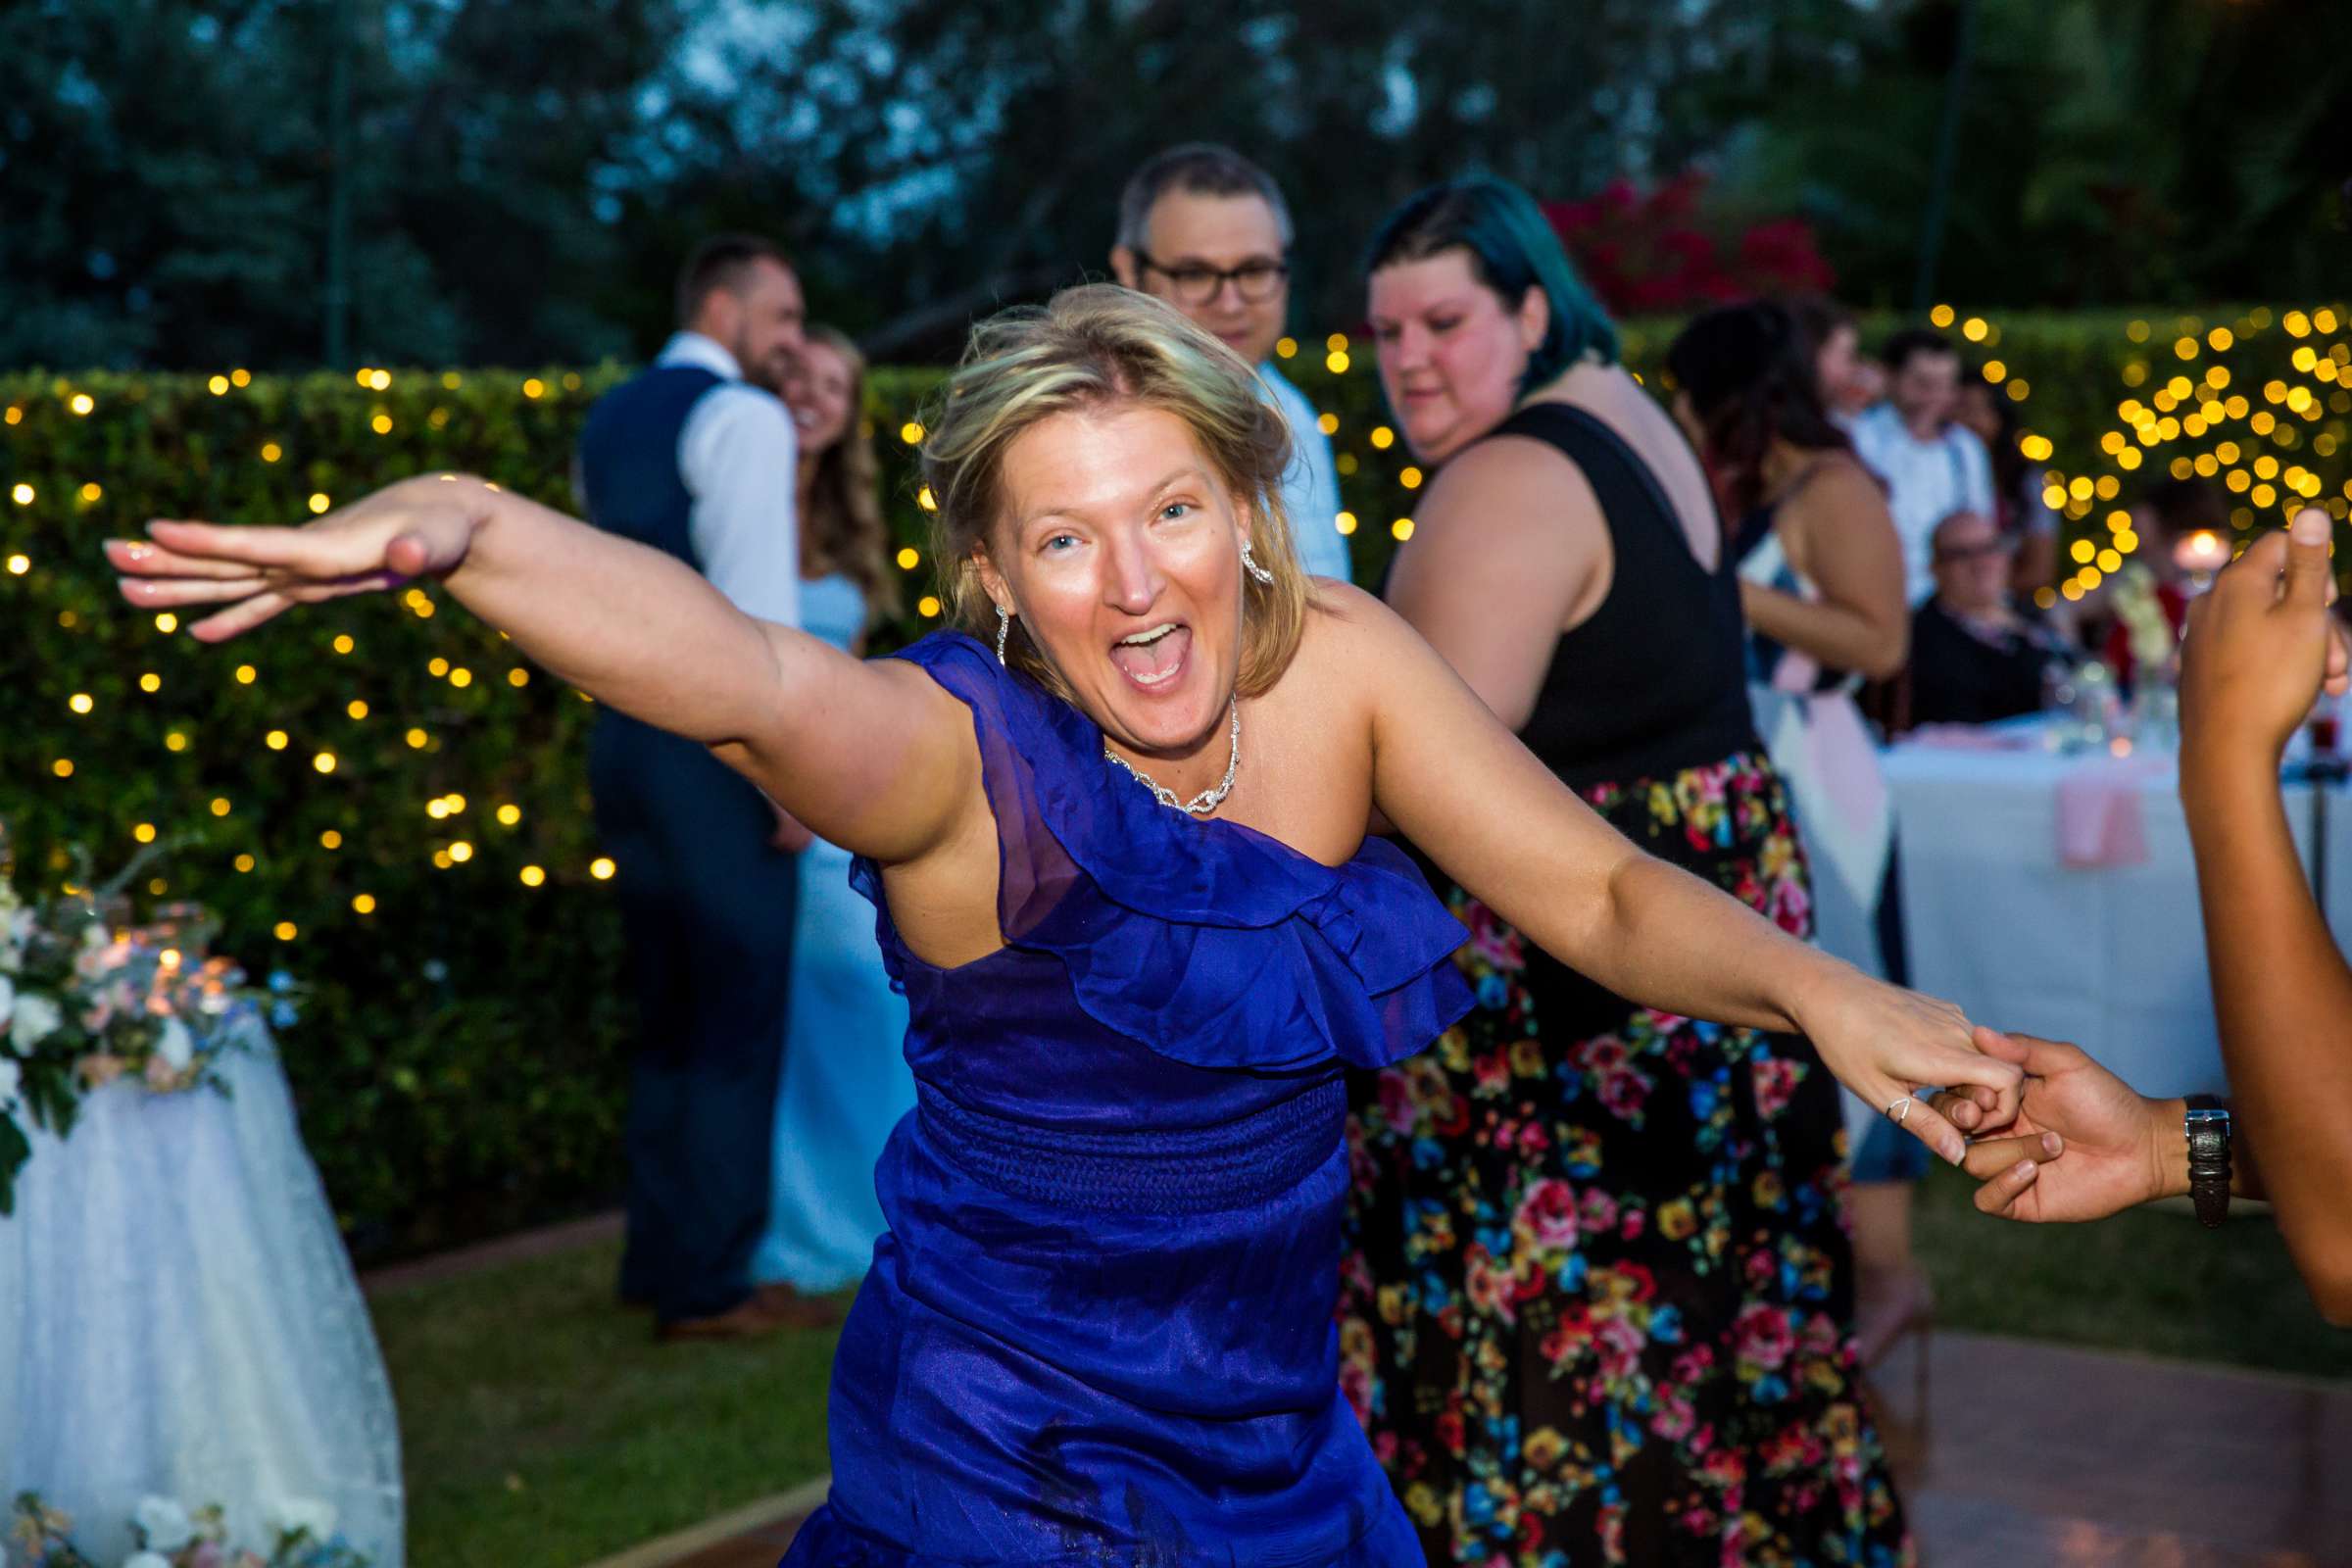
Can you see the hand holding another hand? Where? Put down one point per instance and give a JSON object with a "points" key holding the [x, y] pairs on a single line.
{"points": [[1884, 1043], [2083, 1144]]}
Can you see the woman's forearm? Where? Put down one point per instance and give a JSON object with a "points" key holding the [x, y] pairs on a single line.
{"points": [[1671, 941], [1837, 636]]}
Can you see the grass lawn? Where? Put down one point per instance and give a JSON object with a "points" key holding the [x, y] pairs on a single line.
{"points": [[2151, 1281], [544, 1428]]}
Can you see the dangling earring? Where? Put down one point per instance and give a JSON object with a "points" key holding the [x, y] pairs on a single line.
{"points": [[1004, 628], [1251, 566]]}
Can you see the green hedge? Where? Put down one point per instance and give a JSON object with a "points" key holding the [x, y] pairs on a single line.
{"points": [[459, 1063]]}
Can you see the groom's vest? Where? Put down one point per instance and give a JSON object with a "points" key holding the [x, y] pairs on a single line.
{"points": [[629, 479]]}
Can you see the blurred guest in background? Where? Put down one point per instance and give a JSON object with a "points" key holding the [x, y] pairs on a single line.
{"points": [[1556, 1160], [691, 460], [2163, 520], [1208, 230], [1821, 579], [1932, 466], [1848, 380], [846, 1080], [2018, 509], [1976, 658]]}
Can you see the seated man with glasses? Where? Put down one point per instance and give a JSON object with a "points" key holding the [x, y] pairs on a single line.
{"points": [[1974, 657], [1208, 230]]}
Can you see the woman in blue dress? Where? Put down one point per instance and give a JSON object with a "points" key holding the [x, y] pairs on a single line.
{"points": [[846, 1083], [1116, 848]]}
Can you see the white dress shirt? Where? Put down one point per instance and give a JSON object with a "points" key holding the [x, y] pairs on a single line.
{"points": [[1310, 489], [1927, 481], [740, 459]]}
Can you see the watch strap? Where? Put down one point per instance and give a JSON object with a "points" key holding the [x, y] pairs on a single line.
{"points": [[2207, 1128]]}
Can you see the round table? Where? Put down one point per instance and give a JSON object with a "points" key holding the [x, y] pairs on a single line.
{"points": [[179, 1316], [2108, 951]]}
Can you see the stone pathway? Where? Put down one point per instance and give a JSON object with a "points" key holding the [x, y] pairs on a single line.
{"points": [[2032, 1456]]}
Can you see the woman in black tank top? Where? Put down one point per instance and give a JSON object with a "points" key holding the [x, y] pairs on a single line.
{"points": [[1598, 1296]]}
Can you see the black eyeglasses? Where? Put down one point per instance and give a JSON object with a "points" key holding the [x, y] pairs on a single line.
{"points": [[1953, 555], [1258, 279]]}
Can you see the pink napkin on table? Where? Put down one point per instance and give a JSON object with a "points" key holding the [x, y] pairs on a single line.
{"points": [[2099, 819], [1972, 738]]}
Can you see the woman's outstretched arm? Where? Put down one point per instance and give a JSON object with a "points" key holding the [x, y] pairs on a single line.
{"points": [[874, 756], [1478, 803]]}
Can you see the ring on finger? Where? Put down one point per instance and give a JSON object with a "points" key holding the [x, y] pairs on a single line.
{"points": [[1899, 1110]]}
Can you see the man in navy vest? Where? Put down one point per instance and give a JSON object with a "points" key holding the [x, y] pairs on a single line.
{"points": [[692, 461]]}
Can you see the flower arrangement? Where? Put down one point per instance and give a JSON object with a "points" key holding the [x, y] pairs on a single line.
{"points": [[169, 1534], [2145, 624], [86, 1000]]}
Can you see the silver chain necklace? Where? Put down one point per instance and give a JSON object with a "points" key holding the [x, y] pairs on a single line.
{"points": [[1206, 801]]}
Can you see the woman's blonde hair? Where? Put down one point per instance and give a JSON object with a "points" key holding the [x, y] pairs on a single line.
{"points": [[844, 530], [1088, 347]]}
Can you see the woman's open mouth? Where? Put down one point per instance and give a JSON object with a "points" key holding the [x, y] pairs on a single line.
{"points": [[1152, 659]]}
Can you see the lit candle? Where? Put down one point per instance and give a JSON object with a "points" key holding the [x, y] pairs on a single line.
{"points": [[2201, 553]]}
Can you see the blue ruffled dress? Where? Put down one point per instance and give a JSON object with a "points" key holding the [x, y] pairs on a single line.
{"points": [[1099, 1329]]}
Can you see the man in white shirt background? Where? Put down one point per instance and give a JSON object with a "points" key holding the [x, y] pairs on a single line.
{"points": [[1932, 466], [1208, 230], [691, 461]]}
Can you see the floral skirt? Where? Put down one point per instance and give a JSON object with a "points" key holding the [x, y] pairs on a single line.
{"points": [[1597, 1301]]}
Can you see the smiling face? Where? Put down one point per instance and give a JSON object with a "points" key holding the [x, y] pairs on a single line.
{"points": [[1452, 351], [758, 319], [820, 392], [1118, 545], [1925, 389]]}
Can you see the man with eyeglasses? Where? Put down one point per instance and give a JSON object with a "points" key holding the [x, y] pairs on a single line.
{"points": [[1975, 660], [1208, 230]]}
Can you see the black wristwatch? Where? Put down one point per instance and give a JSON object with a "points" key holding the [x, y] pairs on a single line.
{"points": [[2208, 1122]]}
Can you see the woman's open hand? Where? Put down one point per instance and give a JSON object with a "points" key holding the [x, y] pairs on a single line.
{"points": [[418, 528], [1894, 1046]]}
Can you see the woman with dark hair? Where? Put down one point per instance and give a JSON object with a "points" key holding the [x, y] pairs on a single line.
{"points": [[846, 1083], [1821, 579], [1595, 1304], [1847, 380]]}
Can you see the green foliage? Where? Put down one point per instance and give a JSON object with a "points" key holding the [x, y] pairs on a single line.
{"points": [[460, 1062], [2170, 150], [170, 169]]}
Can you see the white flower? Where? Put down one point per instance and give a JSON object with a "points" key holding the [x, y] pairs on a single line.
{"points": [[176, 1045], [37, 1019], [146, 1560], [302, 1516], [93, 935], [12, 1077], [8, 997], [163, 1526]]}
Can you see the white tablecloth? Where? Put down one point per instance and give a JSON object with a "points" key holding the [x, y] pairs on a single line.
{"points": [[2112, 958], [179, 1316]]}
